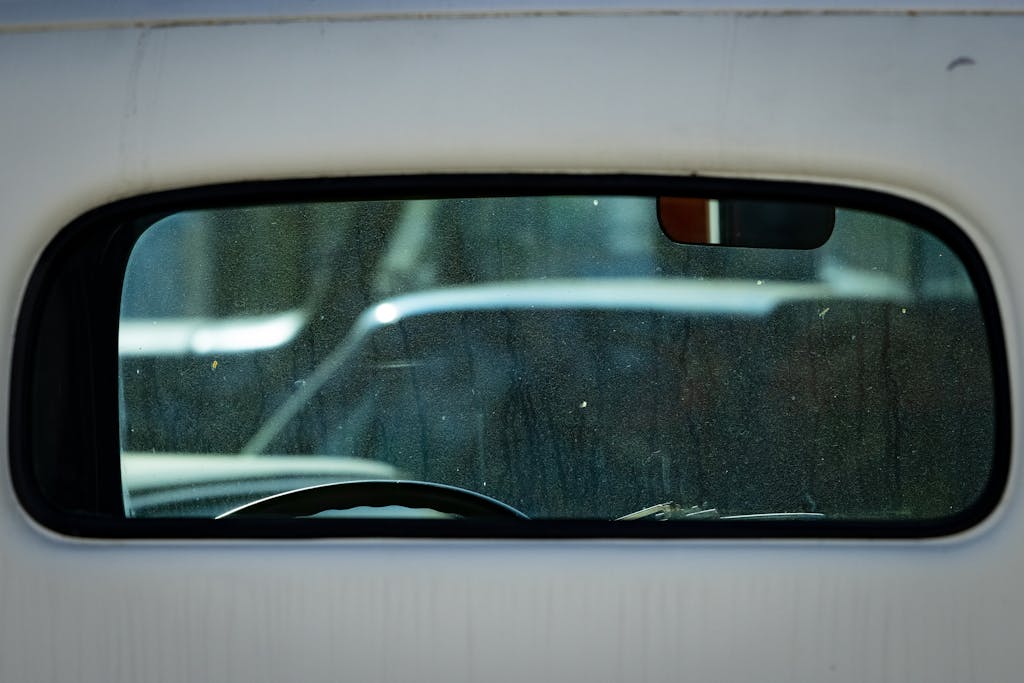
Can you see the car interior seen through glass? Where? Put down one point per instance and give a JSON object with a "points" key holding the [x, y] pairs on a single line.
{"points": [[624, 358]]}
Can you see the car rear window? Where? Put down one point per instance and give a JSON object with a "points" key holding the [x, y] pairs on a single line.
{"points": [[546, 359]]}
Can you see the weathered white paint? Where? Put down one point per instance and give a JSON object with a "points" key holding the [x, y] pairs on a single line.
{"points": [[88, 116], [35, 15]]}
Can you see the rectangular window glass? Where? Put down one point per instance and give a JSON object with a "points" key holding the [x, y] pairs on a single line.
{"points": [[551, 357]]}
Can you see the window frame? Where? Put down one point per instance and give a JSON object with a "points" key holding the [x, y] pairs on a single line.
{"points": [[75, 290]]}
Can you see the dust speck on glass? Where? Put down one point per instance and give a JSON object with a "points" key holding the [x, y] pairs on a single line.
{"points": [[557, 355]]}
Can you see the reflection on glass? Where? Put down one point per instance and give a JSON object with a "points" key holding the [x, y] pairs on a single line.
{"points": [[559, 354]]}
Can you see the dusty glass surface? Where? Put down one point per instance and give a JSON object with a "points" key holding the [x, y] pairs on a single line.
{"points": [[558, 354]]}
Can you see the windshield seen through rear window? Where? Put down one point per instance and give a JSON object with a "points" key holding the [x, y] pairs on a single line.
{"points": [[551, 357]]}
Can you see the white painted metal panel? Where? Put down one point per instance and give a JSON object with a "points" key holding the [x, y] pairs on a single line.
{"points": [[20, 15], [877, 101]]}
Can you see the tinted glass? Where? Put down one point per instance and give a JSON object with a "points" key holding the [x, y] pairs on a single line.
{"points": [[558, 354]]}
